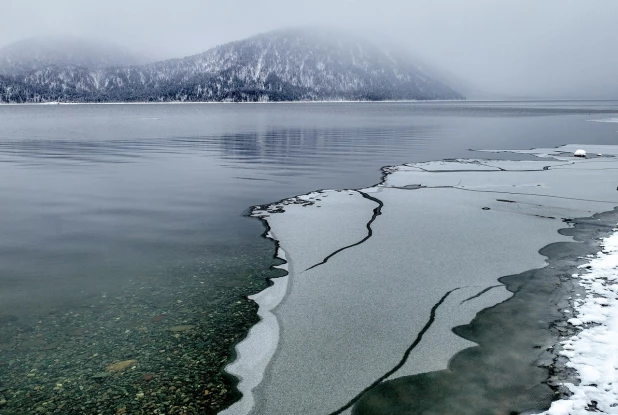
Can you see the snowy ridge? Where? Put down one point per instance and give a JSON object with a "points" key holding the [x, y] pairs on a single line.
{"points": [[284, 65], [593, 352]]}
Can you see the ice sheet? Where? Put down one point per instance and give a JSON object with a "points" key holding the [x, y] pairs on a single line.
{"points": [[364, 278]]}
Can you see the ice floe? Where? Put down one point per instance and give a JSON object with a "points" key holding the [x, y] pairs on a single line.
{"points": [[367, 266]]}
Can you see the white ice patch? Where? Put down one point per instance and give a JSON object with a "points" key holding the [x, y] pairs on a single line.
{"points": [[593, 352], [605, 120], [257, 349]]}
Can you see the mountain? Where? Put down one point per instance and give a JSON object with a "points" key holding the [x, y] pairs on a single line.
{"points": [[283, 65], [39, 53]]}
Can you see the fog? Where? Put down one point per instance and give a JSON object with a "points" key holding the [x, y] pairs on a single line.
{"points": [[499, 49]]}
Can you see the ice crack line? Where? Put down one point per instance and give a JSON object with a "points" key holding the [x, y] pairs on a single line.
{"points": [[529, 194], [498, 169], [376, 212], [480, 293], [417, 340], [456, 187]]}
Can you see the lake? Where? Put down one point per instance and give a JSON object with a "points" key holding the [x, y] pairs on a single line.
{"points": [[126, 238]]}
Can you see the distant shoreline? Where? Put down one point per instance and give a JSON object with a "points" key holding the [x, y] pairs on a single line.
{"points": [[225, 102], [306, 102]]}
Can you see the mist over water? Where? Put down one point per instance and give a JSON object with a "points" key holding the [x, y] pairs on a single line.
{"points": [[510, 49]]}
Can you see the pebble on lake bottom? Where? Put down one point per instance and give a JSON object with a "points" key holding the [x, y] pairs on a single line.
{"points": [[115, 355]]}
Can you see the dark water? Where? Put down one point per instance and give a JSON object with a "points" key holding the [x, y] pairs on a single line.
{"points": [[140, 207], [513, 368]]}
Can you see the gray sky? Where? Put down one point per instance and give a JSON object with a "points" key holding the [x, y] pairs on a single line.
{"points": [[536, 48]]}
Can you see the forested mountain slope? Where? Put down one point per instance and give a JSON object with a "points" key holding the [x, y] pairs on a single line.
{"points": [[284, 65]]}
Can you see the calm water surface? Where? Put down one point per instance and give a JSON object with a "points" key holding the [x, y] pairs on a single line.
{"points": [[100, 200], [94, 194]]}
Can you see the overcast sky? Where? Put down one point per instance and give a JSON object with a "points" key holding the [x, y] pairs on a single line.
{"points": [[535, 48]]}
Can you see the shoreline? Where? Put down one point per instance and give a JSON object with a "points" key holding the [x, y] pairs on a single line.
{"points": [[278, 207], [427, 101], [584, 369], [52, 103]]}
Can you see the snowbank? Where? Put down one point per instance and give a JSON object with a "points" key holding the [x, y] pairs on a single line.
{"points": [[593, 352]]}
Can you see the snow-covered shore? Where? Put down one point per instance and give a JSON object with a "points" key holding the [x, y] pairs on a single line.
{"points": [[593, 351]]}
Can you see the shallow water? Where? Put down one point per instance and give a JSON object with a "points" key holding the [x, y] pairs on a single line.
{"points": [[113, 215]]}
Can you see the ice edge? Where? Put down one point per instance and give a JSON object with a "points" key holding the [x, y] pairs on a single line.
{"points": [[255, 352]]}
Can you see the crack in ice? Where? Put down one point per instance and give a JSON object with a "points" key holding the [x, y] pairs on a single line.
{"points": [[481, 293], [416, 342], [376, 212]]}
